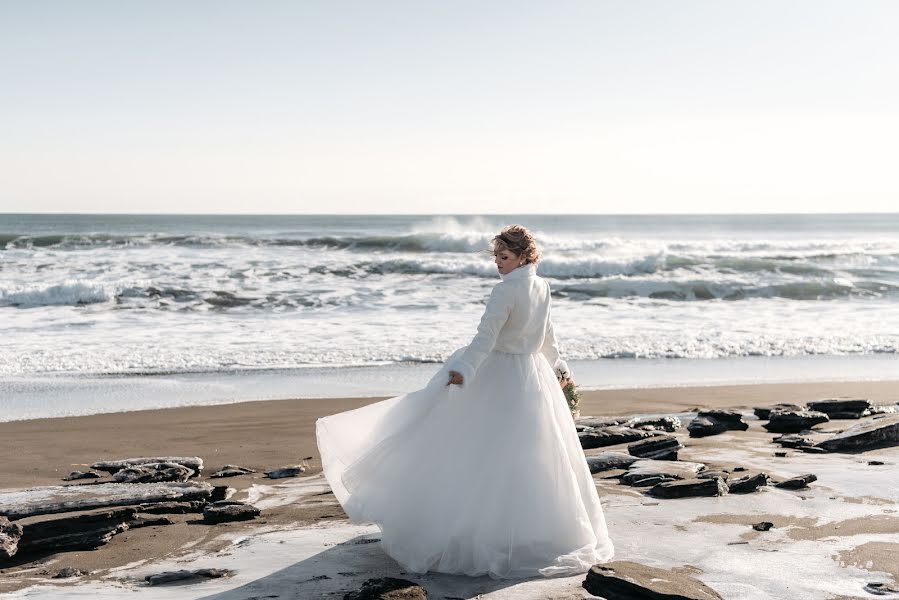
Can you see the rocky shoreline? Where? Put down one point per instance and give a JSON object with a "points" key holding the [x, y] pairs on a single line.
{"points": [[714, 459]]}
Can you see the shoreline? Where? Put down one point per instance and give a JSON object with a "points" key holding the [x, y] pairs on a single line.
{"points": [[268, 434], [264, 434]]}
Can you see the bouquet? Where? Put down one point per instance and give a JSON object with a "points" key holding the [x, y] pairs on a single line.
{"points": [[572, 396]]}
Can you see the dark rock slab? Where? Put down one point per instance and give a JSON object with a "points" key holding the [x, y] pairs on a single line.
{"points": [[704, 427], [194, 463], [625, 580], [666, 423], [614, 434], [79, 532], [842, 408], [883, 410], [153, 473], [763, 526], [606, 461], [875, 433], [232, 471], [648, 472], [185, 576], [19, 504], [711, 474], [68, 572], [291, 471], [732, 418], [172, 508], [764, 412], [226, 510], [74, 475], [388, 588], [140, 520], [660, 447], [10, 534], [795, 483], [689, 487], [747, 483], [792, 440], [794, 421], [587, 423]]}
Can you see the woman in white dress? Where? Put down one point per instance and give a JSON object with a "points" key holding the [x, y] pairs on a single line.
{"points": [[481, 471]]}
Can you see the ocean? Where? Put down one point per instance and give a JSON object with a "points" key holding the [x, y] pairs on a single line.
{"points": [[115, 312]]}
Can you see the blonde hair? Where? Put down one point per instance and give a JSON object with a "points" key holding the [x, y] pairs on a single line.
{"points": [[519, 241]]}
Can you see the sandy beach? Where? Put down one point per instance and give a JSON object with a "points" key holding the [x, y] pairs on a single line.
{"points": [[269, 434]]}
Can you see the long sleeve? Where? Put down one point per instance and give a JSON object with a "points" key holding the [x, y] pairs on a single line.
{"points": [[550, 350], [499, 306]]}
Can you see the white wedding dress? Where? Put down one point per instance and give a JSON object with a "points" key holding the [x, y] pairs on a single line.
{"points": [[484, 478]]}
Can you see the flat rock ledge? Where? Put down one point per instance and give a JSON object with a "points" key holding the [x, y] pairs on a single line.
{"points": [[764, 412], [647, 472], [611, 435], [625, 580], [843, 408], [659, 447], [713, 422], [875, 433], [185, 576], [194, 463], [10, 534], [689, 488], [388, 588], [606, 461]]}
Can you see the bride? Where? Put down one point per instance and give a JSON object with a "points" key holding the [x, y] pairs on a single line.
{"points": [[481, 471]]}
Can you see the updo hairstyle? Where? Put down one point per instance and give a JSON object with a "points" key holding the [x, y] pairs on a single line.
{"points": [[519, 241]]}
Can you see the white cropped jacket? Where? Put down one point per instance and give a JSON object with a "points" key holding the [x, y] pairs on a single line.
{"points": [[516, 321]]}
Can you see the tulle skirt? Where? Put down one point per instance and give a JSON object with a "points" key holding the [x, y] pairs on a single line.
{"points": [[485, 479]]}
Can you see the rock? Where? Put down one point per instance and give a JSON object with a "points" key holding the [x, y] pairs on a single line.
{"points": [[625, 580], [194, 463], [221, 492], [232, 471], [792, 440], [763, 526], [388, 588], [842, 408], [704, 427], [875, 433], [605, 461], [883, 410], [292, 471], [172, 508], [660, 447], [882, 589], [609, 436], [187, 576], [738, 469], [794, 421], [780, 454], [650, 472], [875, 462], [10, 534], [732, 418], [668, 424], [81, 475], [689, 487], [19, 504], [587, 423], [795, 483], [712, 474], [764, 412], [79, 532], [221, 512], [140, 520], [68, 572], [153, 473], [747, 483], [811, 449]]}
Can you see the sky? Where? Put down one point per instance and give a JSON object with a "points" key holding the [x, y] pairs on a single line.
{"points": [[449, 107]]}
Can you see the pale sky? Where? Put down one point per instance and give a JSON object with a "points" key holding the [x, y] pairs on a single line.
{"points": [[453, 106]]}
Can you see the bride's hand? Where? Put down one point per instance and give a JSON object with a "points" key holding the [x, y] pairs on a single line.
{"points": [[563, 382], [455, 378]]}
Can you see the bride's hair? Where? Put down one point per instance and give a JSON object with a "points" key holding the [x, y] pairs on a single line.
{"points": [[518, 240]]}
